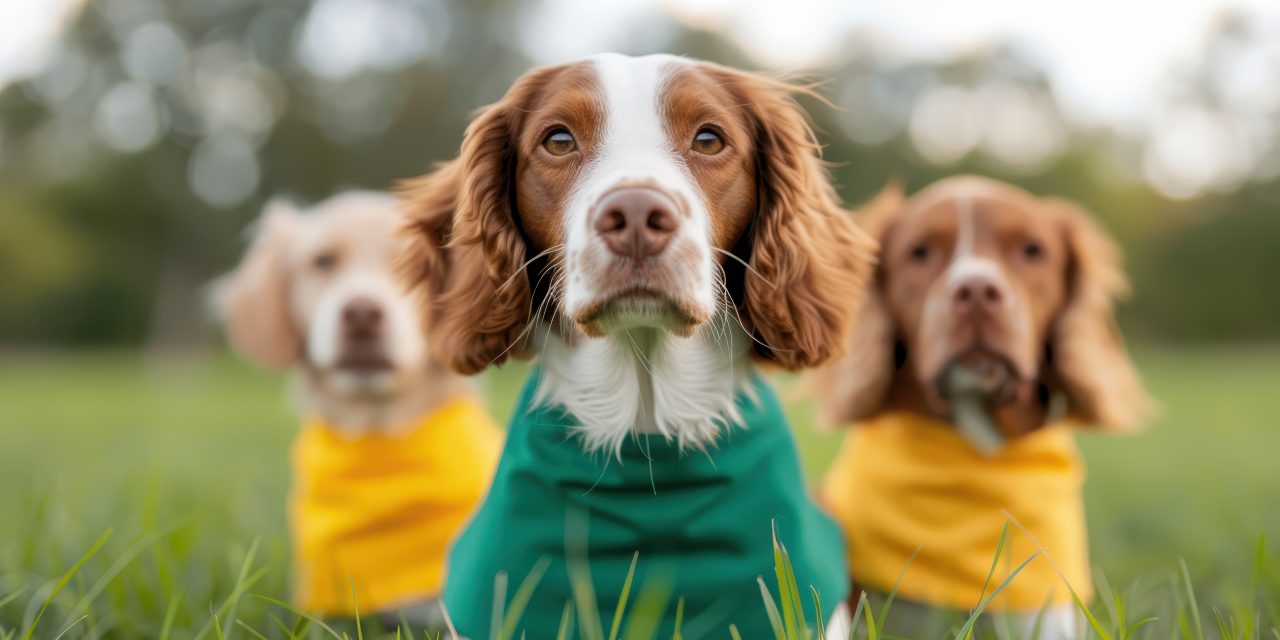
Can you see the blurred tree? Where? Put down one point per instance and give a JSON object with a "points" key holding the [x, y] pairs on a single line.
{"points": [[130, 166]]}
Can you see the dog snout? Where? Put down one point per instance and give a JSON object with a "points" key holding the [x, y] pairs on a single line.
{"points": [[978, 293], [362, 318], [636, 222]]}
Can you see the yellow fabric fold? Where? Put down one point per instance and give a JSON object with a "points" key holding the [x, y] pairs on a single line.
{"points": [[381, 510], [905, 482]]}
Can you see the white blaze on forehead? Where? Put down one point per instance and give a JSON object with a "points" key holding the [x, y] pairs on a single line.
{"points": [[635, 144], [635, 149], [966, 264]]}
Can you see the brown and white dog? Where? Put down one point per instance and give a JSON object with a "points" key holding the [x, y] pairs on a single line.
{"points": [[394, 452], [647, 227], [991, 309], [621, 197]]}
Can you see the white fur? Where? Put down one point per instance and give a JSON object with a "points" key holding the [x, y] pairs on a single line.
{"points": [[635, 149], [965, 261], [649, 381], [406, 346], [640, 378]]}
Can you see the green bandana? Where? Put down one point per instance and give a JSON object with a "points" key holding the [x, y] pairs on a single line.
{"points": [[702, 523]]}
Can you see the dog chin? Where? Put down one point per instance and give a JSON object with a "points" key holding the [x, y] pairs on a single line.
{"points": [[991, 369], [362, 382], [640, 309]]}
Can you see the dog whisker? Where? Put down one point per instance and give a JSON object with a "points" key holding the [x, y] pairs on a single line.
{"points": [[519, 270], [749, 268]]}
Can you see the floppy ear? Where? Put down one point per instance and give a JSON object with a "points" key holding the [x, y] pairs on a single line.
{"points": [[853, 387], [1087, 352], [466, 255], [253, 300], [809, 261]]}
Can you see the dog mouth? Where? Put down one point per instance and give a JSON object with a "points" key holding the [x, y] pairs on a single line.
{"points": [[639, 307], [972, 385], [364, 360]]}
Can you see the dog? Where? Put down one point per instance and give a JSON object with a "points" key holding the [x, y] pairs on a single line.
{"points": [[647, 227], [987, 332], [395, 451]]}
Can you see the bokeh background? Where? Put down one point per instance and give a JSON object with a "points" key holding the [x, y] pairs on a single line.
{"points": [[138, 138]]}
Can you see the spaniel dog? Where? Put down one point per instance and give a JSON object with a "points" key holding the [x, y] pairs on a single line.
{"points": [[647, 227], [986, 333], [395, 452]]}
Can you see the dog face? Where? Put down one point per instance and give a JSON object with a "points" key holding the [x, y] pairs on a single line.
{"points": [[317, 289], [978, 274], [626, 192]]}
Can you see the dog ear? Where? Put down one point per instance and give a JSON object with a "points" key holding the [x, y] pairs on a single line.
{"points": [[1086, 352], [253, 299], [809, 261], [854, 386], [466, 255]]}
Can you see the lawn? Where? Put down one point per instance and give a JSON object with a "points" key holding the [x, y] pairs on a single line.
{"points": [[183, 462]]}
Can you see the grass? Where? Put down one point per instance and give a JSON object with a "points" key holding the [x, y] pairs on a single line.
{"points": [[144, 498]]}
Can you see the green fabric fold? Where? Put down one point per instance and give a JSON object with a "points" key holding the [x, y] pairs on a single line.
{"points": [[702, 523]]}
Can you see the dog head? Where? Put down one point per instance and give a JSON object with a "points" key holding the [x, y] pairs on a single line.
{"points": [[620, 192], [978, 274], [317, 289]]}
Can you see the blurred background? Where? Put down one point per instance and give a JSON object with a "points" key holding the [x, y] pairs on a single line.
{"points": [[138, 138]]}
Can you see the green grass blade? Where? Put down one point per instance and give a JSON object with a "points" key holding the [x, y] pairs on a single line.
{"points": [[817, 607], [1197, 626], [788, 593], [888, 600], [566, 622], [66, 578], [873, 629], [651, 604], [995, 562], [733, 632], [520, 600], [675, 634], [584, 596], [499, 605], [355, 603], [68, 627], [15, 595], [622, 599], [966, 631], [124, 560], [771, 609], [857, 614], [243, 582], [253, 632], [170, 614], [299, 612]]}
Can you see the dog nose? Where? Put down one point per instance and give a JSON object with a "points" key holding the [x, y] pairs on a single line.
{"points": [[636, 222], [362, 318], [977, 293]]}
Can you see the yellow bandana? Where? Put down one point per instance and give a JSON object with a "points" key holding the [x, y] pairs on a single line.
{"points": [[904, 482], [381, 510]]}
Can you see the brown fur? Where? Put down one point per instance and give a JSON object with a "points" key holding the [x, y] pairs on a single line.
{"points": [[772, 203], [1083, 354], [254, 298], [809, 261]]}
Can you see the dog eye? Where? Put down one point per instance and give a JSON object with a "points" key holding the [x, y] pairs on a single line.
{"points": [[1032, 250], [707, 142], [325, 262], [920, 253], [560, 143]]}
